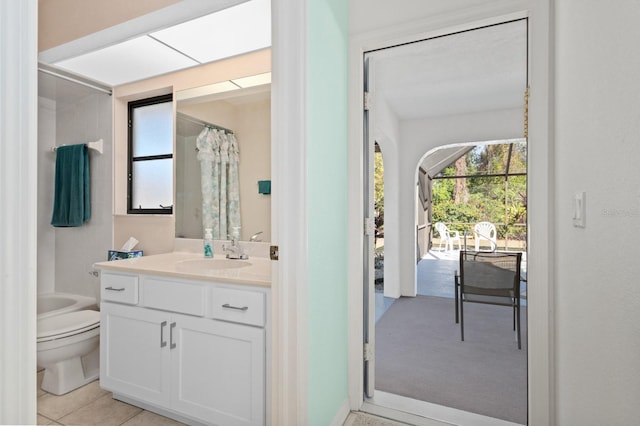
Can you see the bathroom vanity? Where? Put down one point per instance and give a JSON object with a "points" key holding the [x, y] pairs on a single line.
{"points": [[187, 337]]}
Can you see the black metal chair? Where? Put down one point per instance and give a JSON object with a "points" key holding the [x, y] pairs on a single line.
{"points": [[491, 278]]}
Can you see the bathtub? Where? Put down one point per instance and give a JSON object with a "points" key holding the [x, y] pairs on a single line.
{"points": [[50, 304]]}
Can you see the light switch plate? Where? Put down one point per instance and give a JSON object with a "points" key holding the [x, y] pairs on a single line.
{"points": [[579, 209]]}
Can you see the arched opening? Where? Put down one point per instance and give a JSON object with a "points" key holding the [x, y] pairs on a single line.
{"points": [[462, 186]]}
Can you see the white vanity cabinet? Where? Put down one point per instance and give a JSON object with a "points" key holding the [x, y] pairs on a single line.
{"points": [[191, 350], [218, 371], [132, 361]]}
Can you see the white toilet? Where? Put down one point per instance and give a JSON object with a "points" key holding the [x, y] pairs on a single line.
{"points": [[68, 350]]}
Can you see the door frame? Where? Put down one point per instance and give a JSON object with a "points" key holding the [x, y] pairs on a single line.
{"points": [[541, 395]]}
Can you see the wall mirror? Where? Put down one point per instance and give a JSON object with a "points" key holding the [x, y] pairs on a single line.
{"points": [[243, 108]]}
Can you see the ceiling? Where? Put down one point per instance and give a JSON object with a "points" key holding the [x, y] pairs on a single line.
{"points": [[228, 32], [478, 70]]}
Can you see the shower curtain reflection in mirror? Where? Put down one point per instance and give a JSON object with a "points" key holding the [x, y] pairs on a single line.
{"points": [[218, 155]]}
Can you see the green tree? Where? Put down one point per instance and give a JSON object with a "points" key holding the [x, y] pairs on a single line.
{"points": [[482, 198], [378, 191]]}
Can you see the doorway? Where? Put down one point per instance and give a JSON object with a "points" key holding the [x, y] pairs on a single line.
{"points": [[442, 91]]}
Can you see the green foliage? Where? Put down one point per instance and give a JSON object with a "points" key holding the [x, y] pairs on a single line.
{"points": [[442, 189], [378, 191], [451, 212], [490, 198]]}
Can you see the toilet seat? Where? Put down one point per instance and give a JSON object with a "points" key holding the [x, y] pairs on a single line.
{"points": [[68, 324]]}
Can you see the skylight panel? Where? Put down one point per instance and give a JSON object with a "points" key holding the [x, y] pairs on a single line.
{"points": [[129, 61], [230, 32]]}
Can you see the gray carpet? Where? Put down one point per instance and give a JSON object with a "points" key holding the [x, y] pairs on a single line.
{"points": [[419, 355]]}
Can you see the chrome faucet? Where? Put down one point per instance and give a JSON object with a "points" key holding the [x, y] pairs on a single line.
{"points": [[234, 251]]}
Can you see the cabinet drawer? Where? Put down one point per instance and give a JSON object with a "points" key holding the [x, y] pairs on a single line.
{"points": [[119, 288], [246, 307], [173, 296]]}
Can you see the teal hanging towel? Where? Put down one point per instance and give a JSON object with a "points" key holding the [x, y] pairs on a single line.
{"points": [[72, 192]]}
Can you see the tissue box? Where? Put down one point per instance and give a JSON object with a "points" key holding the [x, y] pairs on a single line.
{"points": [[118, 254]]}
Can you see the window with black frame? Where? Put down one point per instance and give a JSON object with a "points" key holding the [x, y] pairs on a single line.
{"points": [[150, 179]]}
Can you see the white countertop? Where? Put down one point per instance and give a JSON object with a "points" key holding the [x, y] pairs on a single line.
{"points": [[177, 264]]}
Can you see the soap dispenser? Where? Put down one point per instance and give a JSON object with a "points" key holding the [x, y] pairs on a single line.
{"points": [[208, 243]]}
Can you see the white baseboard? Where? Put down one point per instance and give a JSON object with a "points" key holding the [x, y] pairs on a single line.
{"points": [[342, 414]]}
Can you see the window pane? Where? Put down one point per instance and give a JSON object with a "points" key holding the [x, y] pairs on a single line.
{"points": [[518, 158], [153, 129], [152, 184]]}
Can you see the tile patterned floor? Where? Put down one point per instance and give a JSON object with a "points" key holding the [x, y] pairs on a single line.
{"points": [[91, 405]]}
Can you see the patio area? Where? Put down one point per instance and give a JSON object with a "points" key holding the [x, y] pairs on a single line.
{"points": [[419, 353]]}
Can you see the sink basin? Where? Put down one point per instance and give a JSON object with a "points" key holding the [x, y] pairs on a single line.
{"points": [[211, 264]]}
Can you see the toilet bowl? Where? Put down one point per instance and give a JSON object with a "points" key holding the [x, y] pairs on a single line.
{"points": [[68, 350]]}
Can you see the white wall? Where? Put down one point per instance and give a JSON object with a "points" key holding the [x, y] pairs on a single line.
{"points": [[384, 120], [220, 113], [69, 113], [385, 129], [18, 217], [78, 248], [597, 151], [367, 15], [46, 232], [254, 132]]}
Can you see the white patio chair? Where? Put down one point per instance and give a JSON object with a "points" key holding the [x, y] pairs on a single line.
{"points": [[447, 237], [485, 231]]}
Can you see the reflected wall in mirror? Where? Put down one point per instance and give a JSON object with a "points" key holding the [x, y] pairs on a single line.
{"points": [[246, 112]]}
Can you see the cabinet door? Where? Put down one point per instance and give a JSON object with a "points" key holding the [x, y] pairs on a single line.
{"points": [[219, 373], [134, 352]]}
